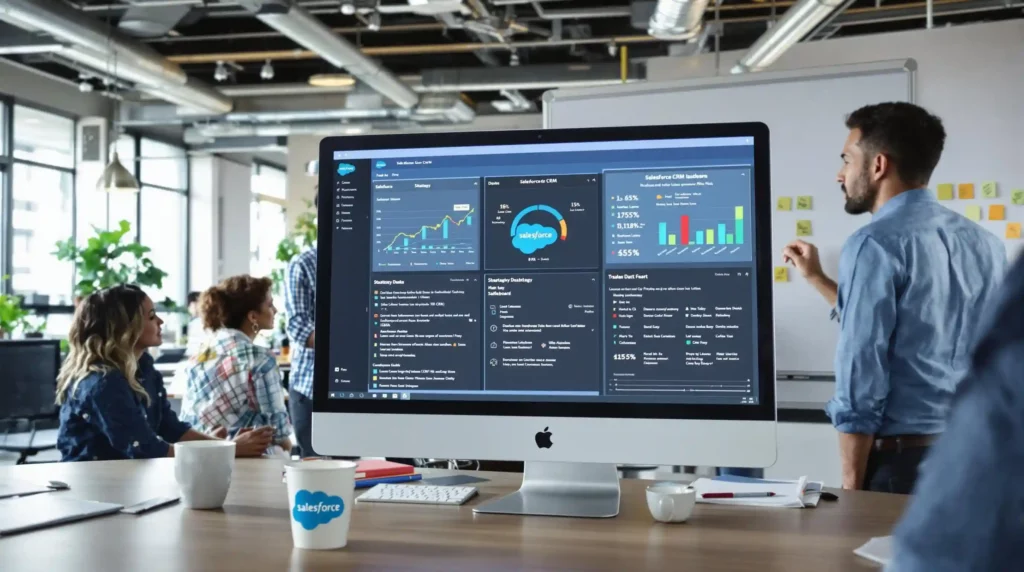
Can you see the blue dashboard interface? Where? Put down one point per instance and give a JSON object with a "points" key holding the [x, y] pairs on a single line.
{"points": [[601, 271]]}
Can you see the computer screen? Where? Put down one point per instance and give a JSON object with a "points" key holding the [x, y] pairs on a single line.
{"points": [[29, 378], [594, 271]]}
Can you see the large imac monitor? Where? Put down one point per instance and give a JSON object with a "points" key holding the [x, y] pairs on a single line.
{"points": [[564, 296]]}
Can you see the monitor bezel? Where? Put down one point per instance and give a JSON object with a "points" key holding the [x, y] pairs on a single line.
{"points": [[764, 410]]}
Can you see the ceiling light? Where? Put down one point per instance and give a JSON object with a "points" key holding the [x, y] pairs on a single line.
{"points": [[267, 71], [221, 73], [84, 86], [331, 80], [117, 179], [348, 9], [513, 60]]}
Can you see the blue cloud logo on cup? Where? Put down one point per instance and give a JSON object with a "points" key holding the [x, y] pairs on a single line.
{"points": [[313, 509]]}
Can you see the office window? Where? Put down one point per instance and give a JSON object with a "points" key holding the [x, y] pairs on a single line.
{"points": [[163, 228], [163, 165], [41, 216], [267, 221], [42, 137]]}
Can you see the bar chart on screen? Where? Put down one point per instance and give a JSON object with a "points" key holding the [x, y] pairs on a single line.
{"points": [[674, 217]]}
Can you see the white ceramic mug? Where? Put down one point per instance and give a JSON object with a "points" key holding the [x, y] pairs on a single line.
{"points": [[203, 471], [320, 502], [671, 502]]}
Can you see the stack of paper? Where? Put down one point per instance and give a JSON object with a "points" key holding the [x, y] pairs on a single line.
{"points": [[788, 494], [878, 549]]}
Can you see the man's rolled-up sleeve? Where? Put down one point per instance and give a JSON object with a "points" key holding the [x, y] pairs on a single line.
{"points": [[868, 279]]}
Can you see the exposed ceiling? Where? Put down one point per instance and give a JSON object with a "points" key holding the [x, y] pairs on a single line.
{"points": [[433, 60]]}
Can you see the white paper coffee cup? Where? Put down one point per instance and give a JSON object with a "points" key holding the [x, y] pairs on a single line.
{"points": [[203, 471], [320, 502]]}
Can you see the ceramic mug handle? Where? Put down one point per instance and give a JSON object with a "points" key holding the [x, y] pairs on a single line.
{"points": [[672, 507]]}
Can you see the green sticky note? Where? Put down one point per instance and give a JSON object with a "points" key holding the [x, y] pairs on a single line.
{"points": [[804, 203], [973, 212], [1017, 197], [945, 191], [803, 228], [989, 190], [784, 204]]}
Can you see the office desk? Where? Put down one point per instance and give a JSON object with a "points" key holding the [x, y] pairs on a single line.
{"points": [[252, 532]]}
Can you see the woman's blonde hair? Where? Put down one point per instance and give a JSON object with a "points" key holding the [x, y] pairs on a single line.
{"points": [[106, 327]]}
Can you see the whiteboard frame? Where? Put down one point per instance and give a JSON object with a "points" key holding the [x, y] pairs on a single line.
{"points": [[907, 66]]}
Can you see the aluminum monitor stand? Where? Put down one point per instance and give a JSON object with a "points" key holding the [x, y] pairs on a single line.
{"points": [[581, 490]]}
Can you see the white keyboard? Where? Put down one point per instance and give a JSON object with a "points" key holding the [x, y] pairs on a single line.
{"points": [[418, 494]]}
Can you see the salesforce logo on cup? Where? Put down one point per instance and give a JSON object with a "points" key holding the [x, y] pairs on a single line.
{"points": [[313, 509]]}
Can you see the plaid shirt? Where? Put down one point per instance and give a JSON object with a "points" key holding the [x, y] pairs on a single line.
{"points": [[300, 308], [234, 384]]}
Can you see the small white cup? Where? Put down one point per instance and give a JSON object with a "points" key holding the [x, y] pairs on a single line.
{"points": [[203, 471], [320, 502], [671, 502]]}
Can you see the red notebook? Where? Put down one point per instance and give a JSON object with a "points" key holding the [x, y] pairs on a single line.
{"points": [[377, 468]]}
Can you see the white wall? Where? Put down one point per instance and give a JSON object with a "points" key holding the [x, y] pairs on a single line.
{"points": [[305, 148], [221, 193]]}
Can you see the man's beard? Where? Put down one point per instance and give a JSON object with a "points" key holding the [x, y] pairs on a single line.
{"points": [[863, 200]]}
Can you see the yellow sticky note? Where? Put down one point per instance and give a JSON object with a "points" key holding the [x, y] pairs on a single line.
{"points": [[1017, 197], [786, 203], [803, 228], [973, 212], [997, 212], [1012, 231], [804, 203], [965, 191], [782, 272], [989, 190], [945, 191]]}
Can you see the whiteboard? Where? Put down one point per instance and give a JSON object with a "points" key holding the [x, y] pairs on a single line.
{"points": [[805, 111]]}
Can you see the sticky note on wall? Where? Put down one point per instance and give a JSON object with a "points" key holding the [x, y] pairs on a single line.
{"points": [[973, 212], [965, 191], [1017, 196], [804, 203], [997, 212], [1012, 230], [781, 274], [944, 191], [989, 190], [803, 228], [784, 204]]}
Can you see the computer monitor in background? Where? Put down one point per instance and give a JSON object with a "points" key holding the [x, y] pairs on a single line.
{"points": [[570, 298], [28, 378]]}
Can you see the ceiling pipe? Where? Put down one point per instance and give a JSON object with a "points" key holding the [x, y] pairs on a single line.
{"points": [[677, 19], [578, 13], [98, 47], [796, 23], [307, 31]]}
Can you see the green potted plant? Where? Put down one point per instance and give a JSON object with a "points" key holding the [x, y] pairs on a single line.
{"points": [[107, 259], [12, 315]]}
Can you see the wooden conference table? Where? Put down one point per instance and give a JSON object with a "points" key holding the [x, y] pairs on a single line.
{"points": [[252, 532]]}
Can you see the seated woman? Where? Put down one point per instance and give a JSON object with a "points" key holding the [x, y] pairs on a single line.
{"points": [[232, 382], [113, 401]]}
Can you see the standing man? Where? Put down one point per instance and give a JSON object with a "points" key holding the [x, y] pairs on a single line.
{"points": [[912, 286], [300, 307]]}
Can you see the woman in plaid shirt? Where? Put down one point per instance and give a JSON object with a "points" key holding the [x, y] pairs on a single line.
{"points": [[232, 382]]}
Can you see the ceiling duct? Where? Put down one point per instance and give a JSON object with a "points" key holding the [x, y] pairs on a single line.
{"points": [[796, 23], [142, 21], [98, 47], [306, 30], [677, 19], [524, 77]]}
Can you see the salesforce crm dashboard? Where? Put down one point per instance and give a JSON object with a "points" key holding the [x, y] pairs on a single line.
{"points": [[599, 271]]}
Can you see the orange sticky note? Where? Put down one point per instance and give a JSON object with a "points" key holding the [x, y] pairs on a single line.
{"points": [[965, 191], [997, 212], [1013, 230]]}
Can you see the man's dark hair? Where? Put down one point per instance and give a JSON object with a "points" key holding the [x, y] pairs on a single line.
{"points": [[193, 297], [911, 137]]}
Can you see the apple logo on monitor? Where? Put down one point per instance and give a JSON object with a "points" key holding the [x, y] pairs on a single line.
{"points": [[543, 439]]}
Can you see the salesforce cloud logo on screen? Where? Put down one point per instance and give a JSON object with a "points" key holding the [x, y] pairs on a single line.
{"points": [[313, 509], [345, 169]]}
